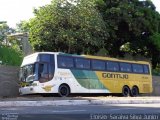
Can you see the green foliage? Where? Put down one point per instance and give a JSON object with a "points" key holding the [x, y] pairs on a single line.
{"points": [[133, 27], [10, 53], [10, 56], [86, 26], [156, 40], [72, 28], [22, 26], [156, 72], [15, 43], [4, 31]]}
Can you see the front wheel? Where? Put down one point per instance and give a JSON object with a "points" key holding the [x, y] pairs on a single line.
{"points": [[64, 91], [125, 91], [134, 91]]}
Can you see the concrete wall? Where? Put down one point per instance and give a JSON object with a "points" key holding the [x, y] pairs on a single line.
{"points": [[8, 81], [156, 86]]}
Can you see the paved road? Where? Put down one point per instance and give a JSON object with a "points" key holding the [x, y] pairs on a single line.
{"points": [[87, 112]]}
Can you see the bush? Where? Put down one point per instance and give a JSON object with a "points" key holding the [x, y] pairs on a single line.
{"points": [[156, 72], [10, 56]]}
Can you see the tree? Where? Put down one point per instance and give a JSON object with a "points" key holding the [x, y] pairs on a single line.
{"points": [[72, 27], [80, 26], [23, 26], [130, 26], [4, 31], [8, 53]]}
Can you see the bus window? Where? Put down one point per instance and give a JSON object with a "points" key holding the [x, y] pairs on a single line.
{"points": [[137, 68], [44, 57], [27, 73], [112, 66], [82, 63], [43, 72], [125, 67], [146, 69], [98, 65], [51, 71], [65, 62], [52, 59]]}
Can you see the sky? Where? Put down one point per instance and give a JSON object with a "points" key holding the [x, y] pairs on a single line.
{"points": [[14, 11]]}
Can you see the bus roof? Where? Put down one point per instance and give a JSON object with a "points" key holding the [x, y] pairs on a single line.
{"points": [[33, 57], [116, 59]]}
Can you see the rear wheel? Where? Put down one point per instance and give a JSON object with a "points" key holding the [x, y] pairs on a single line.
{"points": [[64, 91], [134, 91], [125, 91]]}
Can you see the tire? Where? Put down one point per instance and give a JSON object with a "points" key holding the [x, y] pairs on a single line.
{"points": [[64, 91], [134, 91], [126, 91]]}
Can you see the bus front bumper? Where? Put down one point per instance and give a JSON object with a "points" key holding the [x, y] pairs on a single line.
{"points": [[28, 90]]}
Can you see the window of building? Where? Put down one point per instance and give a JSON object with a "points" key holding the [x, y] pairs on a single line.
{"points": [[125, 67], [112, 66], [137, 68], [98, 65], [65, 62], [82, 63]]}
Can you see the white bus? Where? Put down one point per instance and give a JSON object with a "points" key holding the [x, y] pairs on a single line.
{"points": [[55, 72]]}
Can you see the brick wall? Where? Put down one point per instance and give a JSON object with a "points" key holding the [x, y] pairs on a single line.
{"points": [[8, 81]]}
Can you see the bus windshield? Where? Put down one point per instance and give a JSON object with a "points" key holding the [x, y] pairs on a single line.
{"points": [[27, 73]]}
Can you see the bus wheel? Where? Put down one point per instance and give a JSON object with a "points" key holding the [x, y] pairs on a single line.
{"points": [[125, 91], [64, 90], [134, 91]]}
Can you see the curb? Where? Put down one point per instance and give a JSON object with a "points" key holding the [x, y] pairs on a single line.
{"points": [[74, 102]]}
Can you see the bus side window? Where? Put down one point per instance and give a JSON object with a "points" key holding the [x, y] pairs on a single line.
{"points": [[65, 62], [125, 67], [146, 69], [82, 63], [137, 68], [112, 66], [98, 65]]}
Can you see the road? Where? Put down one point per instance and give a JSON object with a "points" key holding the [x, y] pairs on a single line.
{"points": [[83, 112]]}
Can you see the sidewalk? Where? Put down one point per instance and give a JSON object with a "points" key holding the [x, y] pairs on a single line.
{"points": [[51, 101]]}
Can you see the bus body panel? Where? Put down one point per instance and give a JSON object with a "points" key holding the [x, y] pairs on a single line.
{"points": [[115, 81], [87, 80]]}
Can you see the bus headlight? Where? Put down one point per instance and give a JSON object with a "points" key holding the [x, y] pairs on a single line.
{"points": [[34, 84], [31, 89]]}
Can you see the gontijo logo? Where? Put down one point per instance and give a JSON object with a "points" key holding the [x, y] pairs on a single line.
{"points": [[113, 75]]}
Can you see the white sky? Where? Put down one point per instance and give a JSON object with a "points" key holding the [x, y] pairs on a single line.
{"points": [[13, 11]]}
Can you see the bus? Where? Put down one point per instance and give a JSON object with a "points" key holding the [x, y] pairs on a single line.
{"points": [[56, 72]]}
